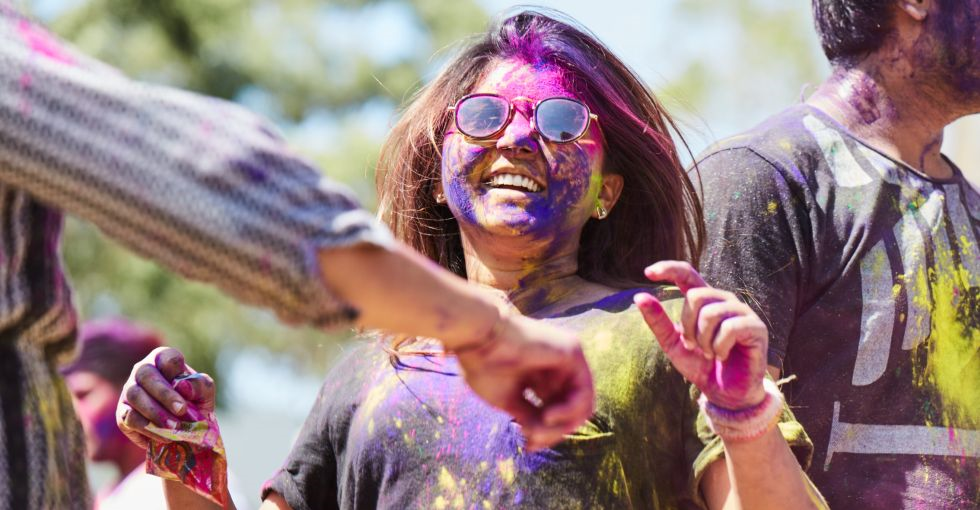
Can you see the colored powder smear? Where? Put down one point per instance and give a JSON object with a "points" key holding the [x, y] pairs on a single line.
{"points": [[194, 456], [43, 43], [952, 364]]}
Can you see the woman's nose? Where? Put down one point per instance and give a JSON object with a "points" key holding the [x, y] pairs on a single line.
{"points": [[518, 135]]}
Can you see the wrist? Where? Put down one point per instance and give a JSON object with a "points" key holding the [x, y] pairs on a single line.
{"points": [[747, 423], [479, 327]]}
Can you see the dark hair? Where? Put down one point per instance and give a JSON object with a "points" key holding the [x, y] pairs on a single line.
{"points": [[110, 347], [852, 29], [658, 215]]}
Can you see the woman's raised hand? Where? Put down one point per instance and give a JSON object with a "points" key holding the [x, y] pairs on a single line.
{"points": [[150, 395], [720, 344]]}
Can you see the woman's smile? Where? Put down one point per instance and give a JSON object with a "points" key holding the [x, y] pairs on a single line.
{"points": [[516, 183]]}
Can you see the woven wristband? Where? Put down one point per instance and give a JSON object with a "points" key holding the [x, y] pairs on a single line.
{"points": [[744, 424]]}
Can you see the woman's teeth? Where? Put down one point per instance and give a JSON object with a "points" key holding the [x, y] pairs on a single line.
{"points": [[516, 181]]}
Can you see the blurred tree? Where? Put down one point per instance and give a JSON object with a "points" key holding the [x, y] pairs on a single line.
{"points": [[738, 60], [330, 73]]}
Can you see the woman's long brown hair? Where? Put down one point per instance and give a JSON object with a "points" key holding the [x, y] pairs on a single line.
{"points": [[658, 216]]}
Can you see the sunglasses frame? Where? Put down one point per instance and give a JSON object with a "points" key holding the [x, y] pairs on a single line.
{"points": [[511, 108]]}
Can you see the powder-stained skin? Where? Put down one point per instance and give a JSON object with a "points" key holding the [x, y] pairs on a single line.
{"points": [[569, 173]]}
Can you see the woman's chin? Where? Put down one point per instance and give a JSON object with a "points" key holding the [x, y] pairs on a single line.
{"points": [[509, 223]]}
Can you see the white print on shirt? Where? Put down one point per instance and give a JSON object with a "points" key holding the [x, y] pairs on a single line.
{"points": [[918, 237]]}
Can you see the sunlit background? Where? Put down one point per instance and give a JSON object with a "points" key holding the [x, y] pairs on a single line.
{"points": [[332, 74]]}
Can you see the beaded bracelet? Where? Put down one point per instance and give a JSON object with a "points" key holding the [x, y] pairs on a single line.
{"points": [[744, 424]]}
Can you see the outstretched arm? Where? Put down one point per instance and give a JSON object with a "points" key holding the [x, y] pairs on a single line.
{"points": [[209, 190]]}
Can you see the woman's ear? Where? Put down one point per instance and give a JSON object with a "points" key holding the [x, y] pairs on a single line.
{"points": [[918, 10], [437, 193], [612, 188]]}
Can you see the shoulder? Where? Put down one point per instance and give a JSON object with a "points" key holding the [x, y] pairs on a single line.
{"points": [[615, 320], [783, 145], [618, 303], [353, 372]]}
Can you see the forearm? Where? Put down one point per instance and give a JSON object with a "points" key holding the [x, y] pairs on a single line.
{"points": [[398, 290], [763, 474], [200, 185], [180, 497]]}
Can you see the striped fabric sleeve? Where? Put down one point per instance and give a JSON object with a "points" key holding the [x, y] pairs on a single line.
{"points": [[198, 184]]}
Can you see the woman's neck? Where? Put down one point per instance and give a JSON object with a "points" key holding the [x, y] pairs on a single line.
{"points": [[529, 284]]}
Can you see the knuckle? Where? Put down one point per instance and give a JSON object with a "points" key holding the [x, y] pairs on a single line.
{"points": [[129, 420], [168, 356], [133, 393], [144, 372]]}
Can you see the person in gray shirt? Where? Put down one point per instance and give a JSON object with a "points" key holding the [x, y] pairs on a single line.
{"points": [[843, 225]]}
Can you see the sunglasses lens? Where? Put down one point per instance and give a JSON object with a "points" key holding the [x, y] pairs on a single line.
{"points": [[561, 120], [481, 116]]}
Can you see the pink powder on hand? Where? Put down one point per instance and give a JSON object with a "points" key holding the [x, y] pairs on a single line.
{"points": [[193, 456]]}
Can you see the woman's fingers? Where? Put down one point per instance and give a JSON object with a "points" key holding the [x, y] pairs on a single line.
{"points": [[740, 327], [149, 378], [681, 274], [133, 425], [170, 362], [199, 389], [668, 335], [709, 320], [151, 409]]}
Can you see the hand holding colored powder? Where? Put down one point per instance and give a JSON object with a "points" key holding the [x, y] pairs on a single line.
{"points": [[193, 453]]}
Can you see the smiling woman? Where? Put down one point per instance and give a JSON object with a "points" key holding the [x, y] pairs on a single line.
{"points": [[537, 165]]}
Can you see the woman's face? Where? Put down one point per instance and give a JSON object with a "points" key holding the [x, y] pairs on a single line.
{"points": [[567, 176]]}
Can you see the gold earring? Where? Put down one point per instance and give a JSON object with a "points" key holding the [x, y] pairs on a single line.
{"points": [[601, 212], [440, 198]]}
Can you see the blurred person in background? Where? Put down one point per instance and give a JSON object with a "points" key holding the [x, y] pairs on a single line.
{"points": [[210, 191], [107, 350], [843, 225]]}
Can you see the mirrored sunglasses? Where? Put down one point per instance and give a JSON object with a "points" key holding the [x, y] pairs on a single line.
{"points": [[556, 119]]}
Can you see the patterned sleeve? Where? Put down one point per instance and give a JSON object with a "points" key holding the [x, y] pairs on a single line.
{"points": [[197, 184], [756, 239]]}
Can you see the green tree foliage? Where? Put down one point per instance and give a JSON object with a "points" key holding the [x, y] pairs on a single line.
{"points": [[741, 61], [301, 62]]}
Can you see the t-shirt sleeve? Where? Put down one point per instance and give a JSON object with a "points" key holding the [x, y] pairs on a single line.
{"points": [[756, 238], [704, 447], [307, 479], [200, 185]]}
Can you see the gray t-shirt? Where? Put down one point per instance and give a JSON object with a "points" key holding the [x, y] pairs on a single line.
{"points": [[407, 433], [868, 274]]}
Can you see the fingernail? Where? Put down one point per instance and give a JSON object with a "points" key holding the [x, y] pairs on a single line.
{"points": [[171, 423], [178, 407]]}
